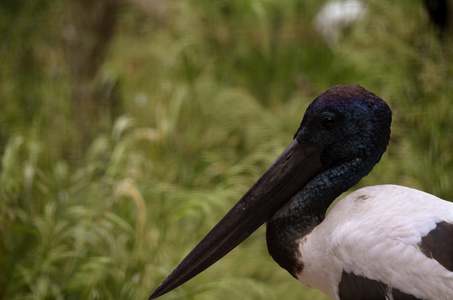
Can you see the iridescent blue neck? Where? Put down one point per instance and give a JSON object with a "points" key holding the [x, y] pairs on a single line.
{"points": [[307, 209]]}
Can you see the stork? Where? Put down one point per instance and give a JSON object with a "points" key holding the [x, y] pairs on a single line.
{"points": [[379, 242]]}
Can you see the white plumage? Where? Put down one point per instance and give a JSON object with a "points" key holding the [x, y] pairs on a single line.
{"points": [[375, 232]]}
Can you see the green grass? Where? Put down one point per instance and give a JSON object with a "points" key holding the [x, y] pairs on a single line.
{"points": [[212, 92]]}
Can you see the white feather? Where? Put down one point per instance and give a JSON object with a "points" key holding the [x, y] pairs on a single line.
{"points": [[374, 232]]}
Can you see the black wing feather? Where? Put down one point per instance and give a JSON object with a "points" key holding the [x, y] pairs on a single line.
{"points": [[356, 287], [438, 244]]}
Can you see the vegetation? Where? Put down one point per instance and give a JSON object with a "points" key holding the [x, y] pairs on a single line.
{"points": [[208, 93]]}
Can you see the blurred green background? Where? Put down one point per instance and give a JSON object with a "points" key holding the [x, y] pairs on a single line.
{"points": [[128, 128]]}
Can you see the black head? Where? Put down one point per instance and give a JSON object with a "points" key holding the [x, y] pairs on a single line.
{"points": [[348, 122]]}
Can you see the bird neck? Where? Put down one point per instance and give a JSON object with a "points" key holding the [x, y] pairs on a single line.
{"points": [[307, 209]]}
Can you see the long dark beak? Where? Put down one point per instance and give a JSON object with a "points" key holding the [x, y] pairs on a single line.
{"points": [[298, 163]]}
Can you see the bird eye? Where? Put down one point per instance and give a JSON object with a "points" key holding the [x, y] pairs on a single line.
{"points": [[328, 122]]}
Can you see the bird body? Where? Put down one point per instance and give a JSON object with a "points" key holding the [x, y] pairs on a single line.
{"points": [[376, 233], [380, 242]]}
